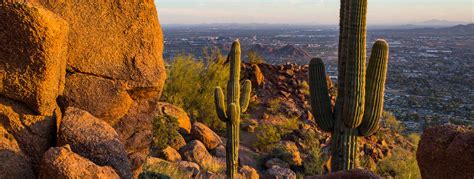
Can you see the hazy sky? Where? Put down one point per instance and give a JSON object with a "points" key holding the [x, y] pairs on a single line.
{"points": [[308, 11]]}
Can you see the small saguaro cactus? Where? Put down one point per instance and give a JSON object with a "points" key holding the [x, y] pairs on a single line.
{"points": [[359, 103], [235, 105]]}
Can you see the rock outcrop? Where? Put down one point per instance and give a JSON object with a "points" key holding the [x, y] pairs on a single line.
{"points": [[33, 133], [446, 152], [278, 172], [119, 40], [195, 151], [62, 162], [171, 154], [183, 119], [104, 98], [99, 56], [204, 134], [135, 129], [32, 56], [94, 139], [14, 163]]}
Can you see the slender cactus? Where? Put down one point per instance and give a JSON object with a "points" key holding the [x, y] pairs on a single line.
{"points": [[236, 105], [359, 104]]}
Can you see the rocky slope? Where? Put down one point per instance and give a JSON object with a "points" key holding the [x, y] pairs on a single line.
{"points": [[63, 63]]}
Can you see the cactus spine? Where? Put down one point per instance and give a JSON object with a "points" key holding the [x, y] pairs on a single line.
{"points": [[359, 104], [235, 105]]}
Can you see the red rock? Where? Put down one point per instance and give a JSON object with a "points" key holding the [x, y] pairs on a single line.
{"points": [[95, 140], [446, 152], [62, 162]]}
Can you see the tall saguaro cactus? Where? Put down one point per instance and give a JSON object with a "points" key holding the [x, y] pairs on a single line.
{"points": [[359, 103], [235, 105]]}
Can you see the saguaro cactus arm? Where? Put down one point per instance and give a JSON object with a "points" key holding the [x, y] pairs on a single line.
{"points": [[354, 85], [220, 104], [320, 102], [245, 98], [376, 77]]}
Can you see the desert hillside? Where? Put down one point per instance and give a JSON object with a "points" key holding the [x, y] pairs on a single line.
{"points": [[85, 93]]}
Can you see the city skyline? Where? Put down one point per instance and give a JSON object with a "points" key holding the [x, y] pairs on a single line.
{"points": [[322, 12]]}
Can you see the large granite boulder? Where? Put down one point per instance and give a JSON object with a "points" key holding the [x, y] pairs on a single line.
{"points": [[118, 40], [14, 163], [204, 134], [446, 152], [94, 139], [195, 151], [32, 55], [104, 98], [183, 119], [62, 162]]}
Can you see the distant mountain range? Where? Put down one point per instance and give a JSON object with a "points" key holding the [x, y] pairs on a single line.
{"points": [[285, 52], [467, 29], [440, 23]]}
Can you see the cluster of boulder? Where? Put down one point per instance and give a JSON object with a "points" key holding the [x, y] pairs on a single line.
{"points": [[80, 83], [201, 154]]}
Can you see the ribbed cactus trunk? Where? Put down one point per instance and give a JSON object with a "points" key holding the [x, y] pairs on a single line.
{"points": [[359, 103], [235, 104]]}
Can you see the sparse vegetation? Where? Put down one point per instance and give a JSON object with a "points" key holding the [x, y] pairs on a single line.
{"points": [[274, 106], [304, 86], [388, 120], [313, 164], [268, 135], [254, 58], [191, 84], [162, 170], [401, 164], [165, 131]]}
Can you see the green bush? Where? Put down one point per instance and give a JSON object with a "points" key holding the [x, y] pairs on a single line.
{"points": [[313, 164], [401, 164], [267, 137], [304, 86], [414, 139], [388, 120], [165, 131], [162, 170], [274, 106], [191, 84]]}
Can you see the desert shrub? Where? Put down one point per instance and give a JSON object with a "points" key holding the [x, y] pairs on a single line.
{"points": [[313, 164], [267, 137], [388, 120], [414, 139], [401, 164], [274, 105], [304, 86], [191, 85], [254, 58], [162, 170], [165, 131]]}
